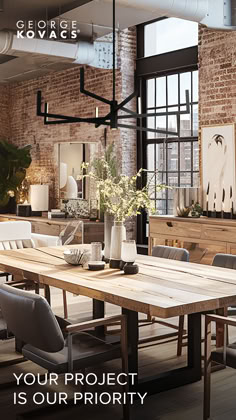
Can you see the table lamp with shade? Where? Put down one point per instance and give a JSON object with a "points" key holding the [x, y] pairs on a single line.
{"points": [[128, 257], [39, 197]]}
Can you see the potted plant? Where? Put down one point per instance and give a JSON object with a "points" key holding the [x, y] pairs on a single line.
{"points": [[122, 199], [13, 164]]}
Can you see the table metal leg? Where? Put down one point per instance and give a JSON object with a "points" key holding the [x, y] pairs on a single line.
{"points": [[132, 328], [174, 378], [99, 312]]}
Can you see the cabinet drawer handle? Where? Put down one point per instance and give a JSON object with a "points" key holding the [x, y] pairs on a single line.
{"points": [[169, 224]]}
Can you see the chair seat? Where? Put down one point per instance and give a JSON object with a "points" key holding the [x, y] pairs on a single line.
{"points": [[85, 346], [218, 355]]}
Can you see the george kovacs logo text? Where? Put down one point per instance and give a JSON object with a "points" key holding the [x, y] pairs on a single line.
{"points": [[53, 29]]}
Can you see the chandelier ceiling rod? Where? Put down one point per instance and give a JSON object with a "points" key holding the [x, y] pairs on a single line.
{"points": [[112, 119]]}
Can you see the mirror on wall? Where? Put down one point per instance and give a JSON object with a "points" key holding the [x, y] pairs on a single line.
{"points": [[71, 156]]}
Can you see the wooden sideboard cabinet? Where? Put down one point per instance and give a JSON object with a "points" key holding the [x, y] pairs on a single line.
{"points": [[93, 231], [203, 237]]}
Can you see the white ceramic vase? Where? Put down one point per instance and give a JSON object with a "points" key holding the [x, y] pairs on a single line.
{"points": [[118, 234], [108, 223]]}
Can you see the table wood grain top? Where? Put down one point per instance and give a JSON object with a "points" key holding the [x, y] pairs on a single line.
{"points": [[163, 288]]}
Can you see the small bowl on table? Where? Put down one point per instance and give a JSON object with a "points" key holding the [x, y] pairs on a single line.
{"points": [[75, 256]]}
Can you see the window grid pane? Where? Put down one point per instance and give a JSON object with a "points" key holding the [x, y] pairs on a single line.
{"points": [[175, 159]]}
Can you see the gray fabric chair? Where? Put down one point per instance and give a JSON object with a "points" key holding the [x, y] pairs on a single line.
{"points": [[170, 252], [178, 254], [31, 319], [226, 261]]}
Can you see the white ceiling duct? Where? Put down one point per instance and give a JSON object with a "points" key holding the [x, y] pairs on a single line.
{"points": [[81, 52], [217, 14]]}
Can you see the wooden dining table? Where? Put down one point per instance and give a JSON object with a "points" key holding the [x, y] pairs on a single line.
{"points": [[162, 288]]}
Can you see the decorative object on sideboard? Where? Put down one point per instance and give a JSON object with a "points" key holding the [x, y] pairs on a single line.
{"points": [[56, 214], [71, 188], [13, 164], [218, 170], [76, 208], [93, 209], [23, 210], [196, 210], [231, 202], [39, 198], [63, 175], [128, 257], [184, 198]]}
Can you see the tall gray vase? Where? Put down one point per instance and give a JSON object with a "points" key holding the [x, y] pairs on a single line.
{"points": [[108, 223]]}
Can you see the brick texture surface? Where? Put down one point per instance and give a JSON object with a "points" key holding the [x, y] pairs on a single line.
{"points": [[4, 112], [217, 77], [19, 123]]}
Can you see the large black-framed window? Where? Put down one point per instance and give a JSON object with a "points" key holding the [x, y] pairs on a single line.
{"points": [[175, 159], [163, 79]]}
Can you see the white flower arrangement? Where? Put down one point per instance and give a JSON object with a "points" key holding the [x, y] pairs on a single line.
{"points": [[120, 195]]}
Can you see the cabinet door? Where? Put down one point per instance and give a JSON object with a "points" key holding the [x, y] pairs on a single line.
{"points": [[203, 252], [47, 229], [231, 248]]}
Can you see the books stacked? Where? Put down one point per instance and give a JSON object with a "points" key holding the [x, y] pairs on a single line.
{"points": [[56, 214]]}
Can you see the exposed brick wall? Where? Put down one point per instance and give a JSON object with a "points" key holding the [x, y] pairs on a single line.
{"points": [[128, 137], [217, 73], [4, 113], [62, 92], [217, 77]]}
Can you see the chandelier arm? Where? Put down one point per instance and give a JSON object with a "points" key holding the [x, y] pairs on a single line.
{"points": [[126, 101], [91, 94], [150, 130], [129, 111], [92, 120], [107, 117], [76, 120], [120, 106], [155, 114]]}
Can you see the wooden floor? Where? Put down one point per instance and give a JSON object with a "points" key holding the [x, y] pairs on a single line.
{"points": [[184, 403]]}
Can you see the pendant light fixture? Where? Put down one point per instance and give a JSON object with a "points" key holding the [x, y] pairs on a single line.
{"points": [[113, 119]]}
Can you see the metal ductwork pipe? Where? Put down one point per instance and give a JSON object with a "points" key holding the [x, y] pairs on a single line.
{"points": [[80, 53], [185, 9], [217, 14]]}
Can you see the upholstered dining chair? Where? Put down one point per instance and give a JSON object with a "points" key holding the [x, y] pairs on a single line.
{"points": [[225, 355], [226, 261], [18, 235], [67, 235], [58, 350], [178, 254]]}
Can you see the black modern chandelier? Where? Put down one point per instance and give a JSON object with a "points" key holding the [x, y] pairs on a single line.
{"points": [[113, 119]]}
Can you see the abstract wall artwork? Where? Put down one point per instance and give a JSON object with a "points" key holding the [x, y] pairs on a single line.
{"points": [[218, 167]]}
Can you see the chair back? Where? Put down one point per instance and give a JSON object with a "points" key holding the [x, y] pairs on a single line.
{"points": [[15, 235], [170, 252], [30, 318], [225, 261], [67, 235]]}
